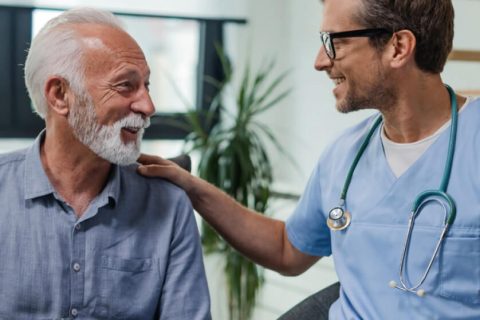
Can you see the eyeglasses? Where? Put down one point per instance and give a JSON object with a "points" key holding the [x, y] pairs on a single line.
{"points": [[327, 37]]}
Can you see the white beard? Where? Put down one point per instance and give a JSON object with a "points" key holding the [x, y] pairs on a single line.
{"points": [[106, 141]]}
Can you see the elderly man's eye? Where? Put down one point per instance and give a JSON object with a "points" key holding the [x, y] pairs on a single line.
{"points": [[125, 85]]}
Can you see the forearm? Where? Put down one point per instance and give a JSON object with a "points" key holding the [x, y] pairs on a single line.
{"points": [[262, 239]]}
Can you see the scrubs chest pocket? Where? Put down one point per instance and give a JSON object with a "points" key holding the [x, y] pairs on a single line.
{"points": [[126, 286], [460, 268]]}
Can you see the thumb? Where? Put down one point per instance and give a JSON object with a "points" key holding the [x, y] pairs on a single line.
{"points": [[168, 171], [149, 159], [154, 170]]}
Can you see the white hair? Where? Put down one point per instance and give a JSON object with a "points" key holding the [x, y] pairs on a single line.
{"points": [[57, 51]]}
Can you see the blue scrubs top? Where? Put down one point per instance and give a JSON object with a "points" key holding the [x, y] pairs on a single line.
{"points": [[367, 254]]}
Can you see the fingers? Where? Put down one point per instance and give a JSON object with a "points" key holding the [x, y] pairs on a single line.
{"points": [[153, 166], [170, 172], [156, 167], [149, 159], [157, 171]]}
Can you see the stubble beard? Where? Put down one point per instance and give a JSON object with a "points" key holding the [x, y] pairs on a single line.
{"points": [[378, 94]]}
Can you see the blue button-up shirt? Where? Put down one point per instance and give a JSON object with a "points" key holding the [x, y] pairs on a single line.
{"points": [[134, 253]]}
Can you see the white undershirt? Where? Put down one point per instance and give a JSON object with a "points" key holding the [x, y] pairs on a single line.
{"points": [[400, 156]]}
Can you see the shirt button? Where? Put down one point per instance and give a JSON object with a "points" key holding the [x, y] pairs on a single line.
{"points": [[74, 312], [78, 227], [76, 267]]}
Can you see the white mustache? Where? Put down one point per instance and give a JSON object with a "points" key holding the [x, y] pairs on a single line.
{"points": [[133, 120]]}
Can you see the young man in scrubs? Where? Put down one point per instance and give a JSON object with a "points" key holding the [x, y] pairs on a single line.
{"points": [[394, 69]]}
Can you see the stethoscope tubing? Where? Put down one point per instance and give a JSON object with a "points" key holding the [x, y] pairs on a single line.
{"points": [[433, 195], [359, 154], [337, 222], [411, 223], [448, 162]]}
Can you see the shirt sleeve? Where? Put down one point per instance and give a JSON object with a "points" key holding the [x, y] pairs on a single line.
{"points": [[306, 227], [185, 293]]}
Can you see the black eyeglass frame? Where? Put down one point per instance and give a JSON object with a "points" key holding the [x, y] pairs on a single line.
{"points": [[327, 37]]}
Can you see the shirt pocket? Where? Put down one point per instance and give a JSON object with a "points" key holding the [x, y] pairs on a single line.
{"points": [[126, 265], [460, 268], [129, 288]]}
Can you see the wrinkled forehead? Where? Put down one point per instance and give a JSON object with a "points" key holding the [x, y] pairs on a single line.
{"points": [[341, 15], [100, 37], [106, 47]]}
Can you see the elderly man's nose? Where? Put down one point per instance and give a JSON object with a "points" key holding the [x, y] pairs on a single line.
{"points": [[144, 104]]}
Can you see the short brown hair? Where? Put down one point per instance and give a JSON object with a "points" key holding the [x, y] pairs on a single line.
{"points": [[431, 21]]}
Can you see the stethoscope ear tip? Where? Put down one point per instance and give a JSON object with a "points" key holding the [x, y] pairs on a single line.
{"points": [[393, 284]]}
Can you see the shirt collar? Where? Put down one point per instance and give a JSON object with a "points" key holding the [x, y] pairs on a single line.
{"points": [[38, 185], [112, 189], [36, 180]]}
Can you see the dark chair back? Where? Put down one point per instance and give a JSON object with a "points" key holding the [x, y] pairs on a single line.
{"points": [[316, 306], [183, 161]]}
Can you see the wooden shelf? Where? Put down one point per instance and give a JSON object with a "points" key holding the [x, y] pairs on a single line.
{"points": [[472, 92], [465, 55]]}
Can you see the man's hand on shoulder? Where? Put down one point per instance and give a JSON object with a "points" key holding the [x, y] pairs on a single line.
{"points": [[157, 167]]}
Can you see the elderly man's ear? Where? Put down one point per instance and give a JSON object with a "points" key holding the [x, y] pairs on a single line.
{"points": [[58, 94]]}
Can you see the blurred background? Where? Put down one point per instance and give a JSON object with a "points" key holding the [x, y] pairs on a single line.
{"points": [[179, 39]]}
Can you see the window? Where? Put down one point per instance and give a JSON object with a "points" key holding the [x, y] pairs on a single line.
{"points": [[17, 119], [180, 52]]}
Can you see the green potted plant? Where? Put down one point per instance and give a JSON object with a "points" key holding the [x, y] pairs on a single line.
{"points": [[233, 157]]}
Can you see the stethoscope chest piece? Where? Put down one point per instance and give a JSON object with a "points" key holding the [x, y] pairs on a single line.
{"points": [[338, 219]]}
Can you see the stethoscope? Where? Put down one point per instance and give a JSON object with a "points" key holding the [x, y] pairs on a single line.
{"points": [[339, 218]]}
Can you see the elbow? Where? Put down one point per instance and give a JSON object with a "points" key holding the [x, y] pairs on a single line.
{"points": [[293, 262], [291, 271], [292, 267]]}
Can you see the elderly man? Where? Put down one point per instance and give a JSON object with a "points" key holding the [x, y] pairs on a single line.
{"points": [[399, 165], [81, 234]]}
